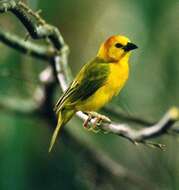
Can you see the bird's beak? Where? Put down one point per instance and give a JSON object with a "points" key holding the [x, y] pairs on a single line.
{"points": [[130, 46]]}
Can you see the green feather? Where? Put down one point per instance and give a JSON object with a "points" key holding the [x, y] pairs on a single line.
{"points": [[92, 76]]}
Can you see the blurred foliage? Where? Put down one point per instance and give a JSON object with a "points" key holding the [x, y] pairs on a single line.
{"points": [[151, 90]]}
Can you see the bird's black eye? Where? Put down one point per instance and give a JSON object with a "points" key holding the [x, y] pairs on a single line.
{"points": [[118, 45]]}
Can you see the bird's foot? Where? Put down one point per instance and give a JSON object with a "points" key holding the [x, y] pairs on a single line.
{"points": [[98, 120]]}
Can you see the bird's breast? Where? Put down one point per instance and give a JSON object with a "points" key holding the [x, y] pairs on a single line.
{"points": [[117, 77]]}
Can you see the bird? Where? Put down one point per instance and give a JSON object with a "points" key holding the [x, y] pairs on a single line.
{"points": [[97, 82]]}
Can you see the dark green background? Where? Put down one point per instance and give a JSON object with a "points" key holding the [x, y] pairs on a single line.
{"points": [[152, 88]]}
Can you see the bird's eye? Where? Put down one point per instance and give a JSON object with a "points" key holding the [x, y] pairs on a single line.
{"points": [[118, 45]]}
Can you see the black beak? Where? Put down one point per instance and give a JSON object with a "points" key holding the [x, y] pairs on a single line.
{"points": [[129, 47]]}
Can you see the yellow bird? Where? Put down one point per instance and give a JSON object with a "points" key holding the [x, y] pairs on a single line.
{"points": [[97, 82]]}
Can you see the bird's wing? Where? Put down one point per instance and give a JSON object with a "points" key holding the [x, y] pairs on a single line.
{"points": [[91, 77]]}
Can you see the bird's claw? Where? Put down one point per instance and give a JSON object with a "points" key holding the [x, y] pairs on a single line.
{"points": [[98, 120], [86, 122], [99, 117]]}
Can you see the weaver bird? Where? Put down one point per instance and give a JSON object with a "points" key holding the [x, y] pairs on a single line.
{"points": [[97, 82]]}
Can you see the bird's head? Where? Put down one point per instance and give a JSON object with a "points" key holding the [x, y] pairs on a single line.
{"points": [[115, 48]]}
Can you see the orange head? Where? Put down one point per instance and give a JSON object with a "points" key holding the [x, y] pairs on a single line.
{"points": [[114, 48]]}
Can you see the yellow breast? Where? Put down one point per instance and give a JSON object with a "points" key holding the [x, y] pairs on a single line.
{"points": [[116, 80]]}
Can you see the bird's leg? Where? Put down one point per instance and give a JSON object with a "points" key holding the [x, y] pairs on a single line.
{"points": [[98, 120], [97, 115]]}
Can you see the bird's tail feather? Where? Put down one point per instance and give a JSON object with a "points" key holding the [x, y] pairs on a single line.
{"points": [[55, 133], [63, 118]]}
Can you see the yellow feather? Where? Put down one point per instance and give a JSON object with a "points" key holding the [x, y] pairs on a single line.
{"points": [[118, 75]]}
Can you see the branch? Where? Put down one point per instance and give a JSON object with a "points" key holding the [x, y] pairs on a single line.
{"points": [[39, 51], [35, 25], [135, 119], [158, 129]]}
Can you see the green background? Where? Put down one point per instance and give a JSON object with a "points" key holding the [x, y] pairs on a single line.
{"points": [[151, 90]]}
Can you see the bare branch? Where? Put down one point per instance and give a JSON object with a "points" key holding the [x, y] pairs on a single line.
{"points": [[41, 52], [136, 119]]}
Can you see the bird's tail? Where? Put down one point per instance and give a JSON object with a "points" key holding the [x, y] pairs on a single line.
{"points": [[63, 117]]}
